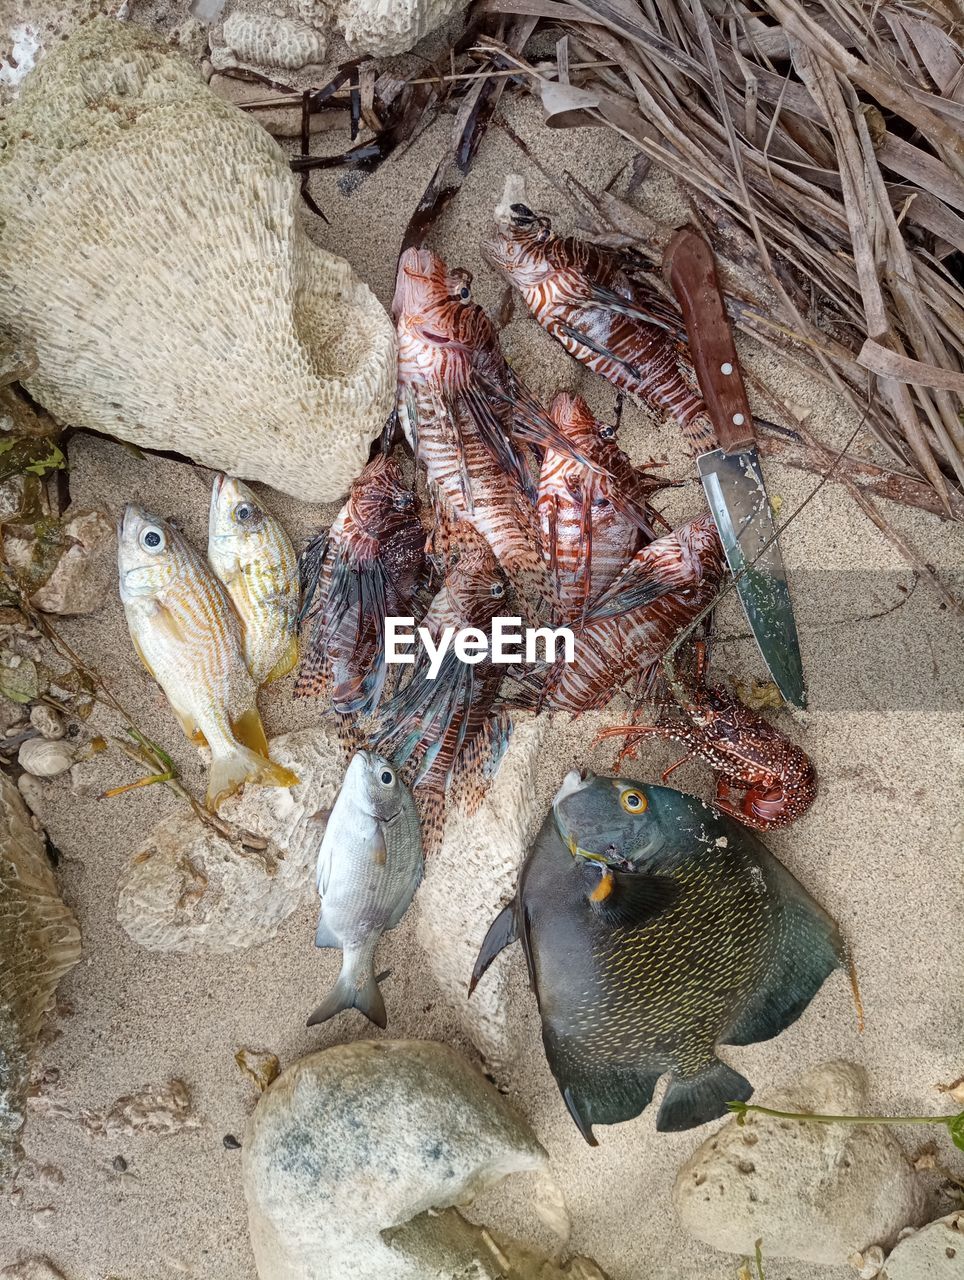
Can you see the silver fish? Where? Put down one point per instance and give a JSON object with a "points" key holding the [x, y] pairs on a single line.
{"points": [[369, 866]]}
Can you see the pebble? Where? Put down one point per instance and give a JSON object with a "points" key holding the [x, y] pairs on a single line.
{"points": [[48, 722]]}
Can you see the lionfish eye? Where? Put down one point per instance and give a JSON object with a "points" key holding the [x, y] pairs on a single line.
{"points": [[152, 539], [403, 500], [497, 591], [386, 777], [607, 433], [465, 293], [633, 801]]}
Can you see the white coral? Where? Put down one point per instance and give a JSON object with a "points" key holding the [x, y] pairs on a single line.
{"points": [[152, 252], [263, 39], [383, 27]]}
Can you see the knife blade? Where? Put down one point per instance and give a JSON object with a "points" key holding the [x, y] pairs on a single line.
{"points": [[731, 473]]}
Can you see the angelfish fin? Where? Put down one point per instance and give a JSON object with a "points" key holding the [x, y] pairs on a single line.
{"points": [[350, 993], [631, 899], [694, 1100], [503, 931]]}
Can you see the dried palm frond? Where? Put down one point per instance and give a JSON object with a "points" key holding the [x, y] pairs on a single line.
{"points": [[822, 144]]}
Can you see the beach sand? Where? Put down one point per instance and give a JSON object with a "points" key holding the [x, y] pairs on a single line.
{"points": [[880, 848]]}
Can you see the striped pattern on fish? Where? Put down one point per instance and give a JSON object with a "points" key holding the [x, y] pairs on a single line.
{"points": [[455, 405], [253, 558], [592, 523], [445, 733], [613, 648], [370, 565], [188, 637], [583, 298]]}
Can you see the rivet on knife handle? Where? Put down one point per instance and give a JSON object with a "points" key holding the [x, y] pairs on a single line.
{"points": [[689, 264]]}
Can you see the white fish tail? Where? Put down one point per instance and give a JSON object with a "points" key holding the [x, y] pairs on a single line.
{"points": [[356, 988]]}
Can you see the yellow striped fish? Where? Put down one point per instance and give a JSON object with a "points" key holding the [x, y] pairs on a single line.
{"points": [[254, 559], [188, 637]]}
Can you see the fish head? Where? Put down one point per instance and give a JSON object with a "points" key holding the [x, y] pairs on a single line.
{"points": [[517, 247], [609, 820], [372, 785], [237, 525], [476, 585], [380, 499], [578, 423], [425, 286], [150, 553]]}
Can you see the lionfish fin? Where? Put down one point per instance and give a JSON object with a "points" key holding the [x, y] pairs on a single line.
{"points": [[431, 807], [584, 339], [654, 311]]}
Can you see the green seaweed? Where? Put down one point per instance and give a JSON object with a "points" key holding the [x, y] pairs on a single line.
{"points": [[954, 1124]]}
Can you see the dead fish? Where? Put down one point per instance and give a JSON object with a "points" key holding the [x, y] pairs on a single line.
{"points": [[593, 522], [369, 866], [654, 930], [253, 557], [371, 564], [631, 625], [187, 635], [462, 410], [446, 729], [607, 320]]}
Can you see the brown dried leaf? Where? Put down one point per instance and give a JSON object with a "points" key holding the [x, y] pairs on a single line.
{"points": [[260, 1065]]}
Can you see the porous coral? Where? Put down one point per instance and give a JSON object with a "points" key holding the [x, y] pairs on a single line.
{"points": [[39, 942], [383, 27], [152, 253], [262, 39]]}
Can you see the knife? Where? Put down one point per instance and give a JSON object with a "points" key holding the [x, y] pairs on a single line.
{"points": [[731, 475]]}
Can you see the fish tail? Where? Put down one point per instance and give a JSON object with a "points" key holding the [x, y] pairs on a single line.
{"points": [[356, 988], [230, 772], [696, 1099]]}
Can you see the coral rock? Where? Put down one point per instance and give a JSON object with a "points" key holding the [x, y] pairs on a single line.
{"points": [[262, 40], [39, 942], [159, 1110], [363, 1138], [31, 1269], [470, 880], [152, 252], [188, 889], [935, 1252], [814, 1192], [383, 27], [84, 573]]}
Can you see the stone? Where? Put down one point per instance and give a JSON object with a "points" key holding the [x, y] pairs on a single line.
{"points": [[470, 879], [82, 575], [39, 943], [48, 722], [189, 889], [355, 1143], [813, 1192], [383, 27], [935, 1252], [153, 255]]}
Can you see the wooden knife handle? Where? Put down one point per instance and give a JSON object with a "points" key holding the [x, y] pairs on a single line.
{"points": [[690, 266]]}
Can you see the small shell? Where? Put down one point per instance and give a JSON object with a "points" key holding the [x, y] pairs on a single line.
{"points": [[45, 759], [48, 722], [868, 1263]]}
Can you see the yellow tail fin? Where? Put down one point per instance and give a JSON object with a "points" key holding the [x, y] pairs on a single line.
{"points": [[229, 774]]}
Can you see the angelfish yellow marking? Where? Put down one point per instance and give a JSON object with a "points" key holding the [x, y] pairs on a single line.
{"points": [[603, 890]]}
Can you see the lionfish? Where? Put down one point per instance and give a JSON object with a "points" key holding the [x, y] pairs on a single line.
{"points": [[593, 522], [468, 417], [581, 295], [447, 734], [371, 564], [630, 627]]}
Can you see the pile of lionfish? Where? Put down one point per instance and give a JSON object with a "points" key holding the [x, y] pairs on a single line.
{"points": [[533, 513]]}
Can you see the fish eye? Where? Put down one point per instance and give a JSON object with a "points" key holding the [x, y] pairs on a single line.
{"points": [[244, 511], [465, 293], [497, 591], [386, 777], [152, 539], [402, 501], [633, 801], [607, 433]]}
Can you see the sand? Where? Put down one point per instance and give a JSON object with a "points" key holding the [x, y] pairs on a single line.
{"points": [[880, 848]]}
